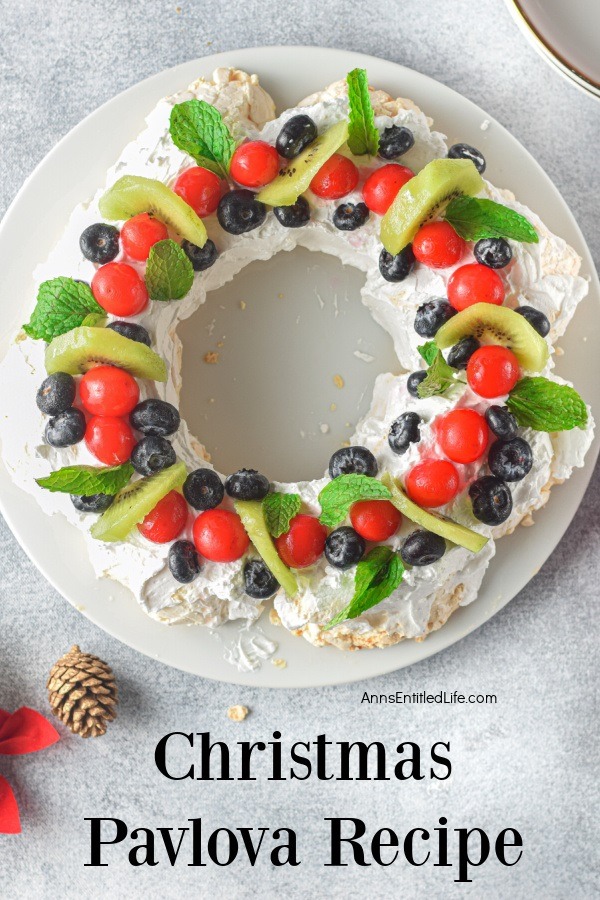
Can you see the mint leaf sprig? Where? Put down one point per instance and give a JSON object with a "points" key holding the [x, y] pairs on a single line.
{"points": [[440, 376], [377, 576], [62, 304], [474, 219], [279, 509], [363, 137], [198, 128], [169, 273], [544, 405], [87, 480], [337, 497]]}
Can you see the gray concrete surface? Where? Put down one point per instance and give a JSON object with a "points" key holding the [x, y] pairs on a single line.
{"points": [[530, 761]]}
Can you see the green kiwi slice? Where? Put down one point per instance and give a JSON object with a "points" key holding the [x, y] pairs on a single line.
{"points": [[135, 501], [425, 197], [446, 528], [133, 194], [81, 349], [297, 176], [253, 520], [492, 324]]}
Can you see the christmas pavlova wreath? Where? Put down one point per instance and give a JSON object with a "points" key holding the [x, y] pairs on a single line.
{"points": [[471, 285]]}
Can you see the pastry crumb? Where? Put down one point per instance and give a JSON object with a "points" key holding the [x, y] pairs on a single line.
{"points": [[211, 358], [279, 663], [485, 125], [324, 428], [338, 381], [237, 713], [333, 407], [274, 617], [280, 296], [559, 351], [221, 344], [243, 304]]}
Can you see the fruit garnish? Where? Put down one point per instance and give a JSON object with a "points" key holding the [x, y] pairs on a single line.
{"points": [[239, 211], [363, 137], [152, 454], [279, 510], [140, 233], [493, 252], [303, 543], [344, 547], [422, 548], [497, 325], [476, 218], [203, 489], [169, 273], [398, 267], [259, 582], [434, 522], [294, 216], [404, 431], [120, 289], [491, 500], [166, 521], [296, 178], [83, 348], [220, 536], [183, 562], [109, 439], [198, 128], [463, 435], [87, 480], [99, 243], [108, 391], [254, 164], [352, 461], [155, 417], [56, 394], [247, 484], [337, 497], [133, 503], [466, 151], [493, 371], [62, 304], [395, 141], [296, 134], [253, 519], [201, 189], [430, 317], [375, 520], [337, 177], [474, 283], [350, 216], [510, 459], [545, 405], [381, 187], [377, 576], [438, 246], [425, 197], [65, 429], [133, 194], [432, 482]]}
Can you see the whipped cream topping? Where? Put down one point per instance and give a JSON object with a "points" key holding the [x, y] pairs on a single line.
{"points": [[544, 275]]}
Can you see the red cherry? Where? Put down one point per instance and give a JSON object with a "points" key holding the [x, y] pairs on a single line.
{"points": [[201, 189], [475, 283], [432, 482], [140, 233], [375, 520], [108, 391], [493, 371], [119, 289], [382, 185], [220, 536], [254, 164], [438, 246], [303, 543], [463, 435], [110, 439], [336, 178], [167, 520]]}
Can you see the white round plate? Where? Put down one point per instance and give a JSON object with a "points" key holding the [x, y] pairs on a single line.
{"points": [[566, 35], [72, 172]]}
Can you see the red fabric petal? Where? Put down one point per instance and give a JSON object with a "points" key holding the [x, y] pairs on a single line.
{"points": [[10, 823], [4, 715], [26, 731]]}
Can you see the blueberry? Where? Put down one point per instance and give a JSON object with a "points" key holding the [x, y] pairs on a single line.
{"points": [[247, 484], [510, 459], [56, 394], [203, 489], [404, 431], [183, 561], [152, 454], [501, 421], [239, 211], [294, 216], [350, 216], [259, 581], [155, 417], [92, 503], [100, 243], [491, 499], [344, 547], [465, 151], [296, 134], [535, 318], [201, 258], [353, 461], [422, 548], [132, 331], [431, 316], [493, 252], [66, 428], [462, 352], [414, 380], [396, 268], [395, 141]]}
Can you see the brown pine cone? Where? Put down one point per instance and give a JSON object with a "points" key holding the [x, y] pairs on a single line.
{"points": [[83, 692]]}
